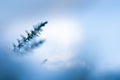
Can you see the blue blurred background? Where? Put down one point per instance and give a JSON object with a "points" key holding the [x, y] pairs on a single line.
{"points": [[82, 39]]}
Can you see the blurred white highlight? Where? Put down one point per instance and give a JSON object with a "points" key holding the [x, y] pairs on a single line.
{"points": [[60, 33]]}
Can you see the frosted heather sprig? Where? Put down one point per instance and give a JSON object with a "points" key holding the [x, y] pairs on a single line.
{"points": [[25, 43]]}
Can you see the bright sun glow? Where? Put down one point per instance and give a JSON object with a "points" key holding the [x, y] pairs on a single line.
{"points": [[60, 34], [65, 31]]}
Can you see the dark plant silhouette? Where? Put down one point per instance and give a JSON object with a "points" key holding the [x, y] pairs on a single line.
{"points": [[29, 42]]}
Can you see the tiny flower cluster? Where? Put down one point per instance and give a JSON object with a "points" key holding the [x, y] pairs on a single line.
{"points": [[24, 44]]}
